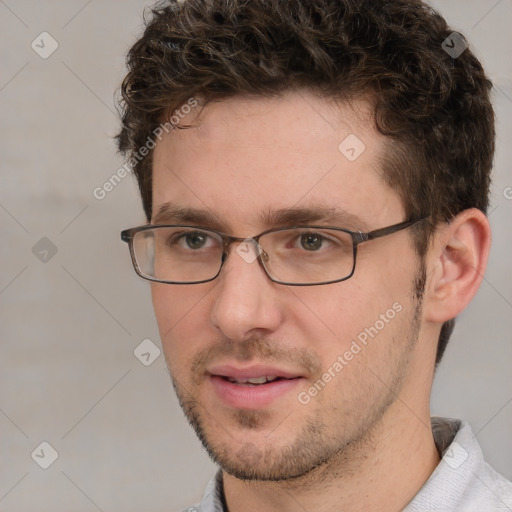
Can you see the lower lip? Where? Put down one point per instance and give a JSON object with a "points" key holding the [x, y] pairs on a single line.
{"points": [[252, 397]]}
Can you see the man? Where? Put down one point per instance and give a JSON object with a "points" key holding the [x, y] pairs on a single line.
{"points": [[315, 176]]}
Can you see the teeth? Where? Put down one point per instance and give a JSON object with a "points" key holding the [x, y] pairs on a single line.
{"points": [[254, 380], [257, 380]]}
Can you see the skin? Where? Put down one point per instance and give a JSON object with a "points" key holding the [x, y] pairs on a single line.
{"points": [[364, 441]]}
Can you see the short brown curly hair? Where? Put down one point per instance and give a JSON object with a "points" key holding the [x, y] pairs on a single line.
{"points": [[434, 109]]}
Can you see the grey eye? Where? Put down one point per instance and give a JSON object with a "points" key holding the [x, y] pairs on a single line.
{"points": [[311, 241], [196, 240]]}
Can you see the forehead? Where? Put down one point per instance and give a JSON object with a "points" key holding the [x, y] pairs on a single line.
{"points": [[243, 157]]}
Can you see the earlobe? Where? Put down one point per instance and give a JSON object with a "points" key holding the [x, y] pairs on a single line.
{"points": [[457, 261]]}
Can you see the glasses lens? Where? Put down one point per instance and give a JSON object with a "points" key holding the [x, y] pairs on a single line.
{"points": [[308, 255], [178, 254]]}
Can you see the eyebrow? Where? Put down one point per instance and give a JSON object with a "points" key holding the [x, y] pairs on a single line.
{"points": [[315, 214], [170, 213]]}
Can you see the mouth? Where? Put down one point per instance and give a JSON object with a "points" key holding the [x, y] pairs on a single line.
{"points": [[255, 381], [253, 387]]}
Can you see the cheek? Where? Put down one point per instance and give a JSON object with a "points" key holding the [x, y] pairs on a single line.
{"points": [[331, 318], [181, 317], [357, 336], [165, 306], [335, 313]]}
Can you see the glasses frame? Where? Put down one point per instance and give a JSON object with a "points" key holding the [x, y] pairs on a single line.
{"points": [[358, 237]]}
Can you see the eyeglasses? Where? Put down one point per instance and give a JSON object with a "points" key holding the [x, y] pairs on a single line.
{"points": [[295, 256]]}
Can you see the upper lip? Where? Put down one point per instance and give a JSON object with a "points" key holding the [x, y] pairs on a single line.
{"points": [[251, 372]]}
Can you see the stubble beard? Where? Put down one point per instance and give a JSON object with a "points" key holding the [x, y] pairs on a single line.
{"points": [[315, 451]]}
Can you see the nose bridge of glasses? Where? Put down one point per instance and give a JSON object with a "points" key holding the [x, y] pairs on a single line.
{"points": [[248, 248]]}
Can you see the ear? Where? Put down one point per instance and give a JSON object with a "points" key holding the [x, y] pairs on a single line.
{"points": [[456, 264]]}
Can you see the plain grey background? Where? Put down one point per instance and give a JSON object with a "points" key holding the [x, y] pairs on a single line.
{"points": [[71, 319]]}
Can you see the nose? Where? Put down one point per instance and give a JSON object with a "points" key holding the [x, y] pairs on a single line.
{"points": [[246, 302]]}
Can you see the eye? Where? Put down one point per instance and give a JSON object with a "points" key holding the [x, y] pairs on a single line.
{"points": [[311, 241], [195, 240], [192, 241]]}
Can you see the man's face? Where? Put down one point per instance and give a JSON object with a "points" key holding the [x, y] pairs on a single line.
{"points": [[341, 351]]}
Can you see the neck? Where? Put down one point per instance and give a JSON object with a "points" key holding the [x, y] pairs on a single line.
{"points": [[383, 472]]}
